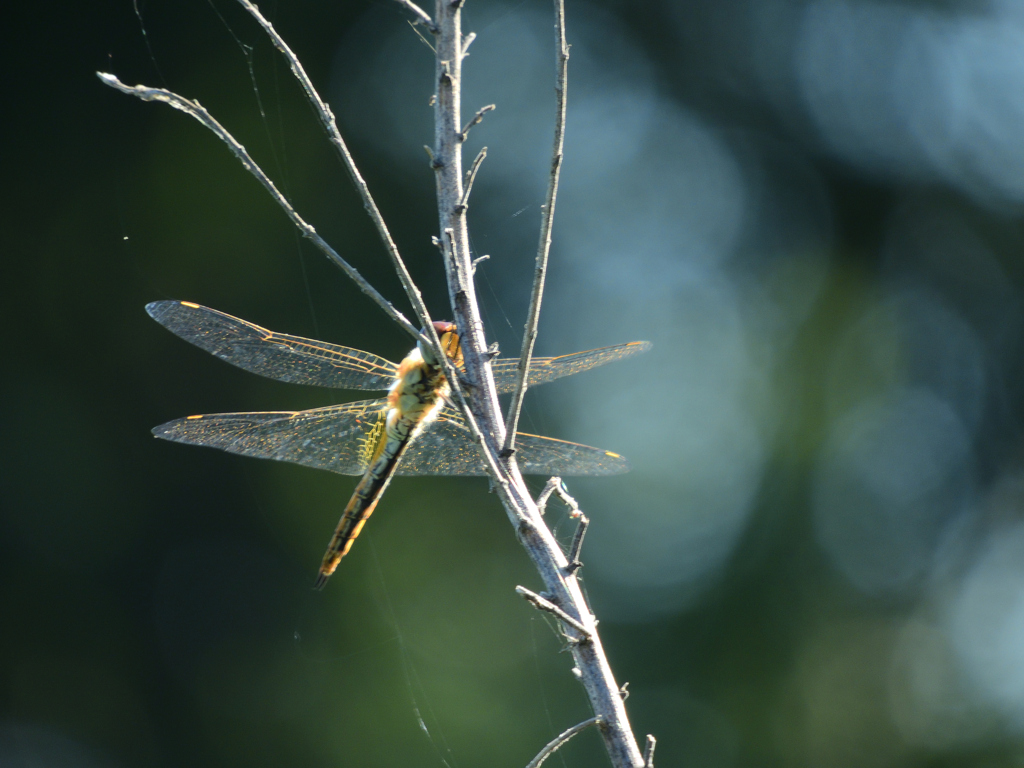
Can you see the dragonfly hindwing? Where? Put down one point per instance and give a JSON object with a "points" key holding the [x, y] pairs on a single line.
{"points": [[370, 441]]}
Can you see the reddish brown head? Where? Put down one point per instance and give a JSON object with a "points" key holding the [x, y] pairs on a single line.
{"points": [[448, 334]]}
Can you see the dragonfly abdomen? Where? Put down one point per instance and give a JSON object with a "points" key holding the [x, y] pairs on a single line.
{"points": [[415, 399], [359, 508]]}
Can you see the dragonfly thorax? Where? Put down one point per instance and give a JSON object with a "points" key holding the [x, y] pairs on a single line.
{"points": [[416, 397]]}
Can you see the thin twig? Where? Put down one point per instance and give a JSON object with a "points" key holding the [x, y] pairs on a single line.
{"points": [[422, 17], [196, 110], [544, 247], [466, 42], [649, 751], [471, 177], [542, 603], [334, 136], [559, 740], [477, 118]]}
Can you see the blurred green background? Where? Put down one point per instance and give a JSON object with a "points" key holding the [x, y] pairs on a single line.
{"points": [[812, 207]]}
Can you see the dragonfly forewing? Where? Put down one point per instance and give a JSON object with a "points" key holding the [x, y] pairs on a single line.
{"points": [[274, 355]]}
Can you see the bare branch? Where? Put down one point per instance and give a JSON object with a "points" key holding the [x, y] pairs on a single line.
{"points": [[649, 751], [543, 604], [475, 121], [559, 740], [467, 41], [422, 17], [544, 247], [594, 671], [196, 110]]}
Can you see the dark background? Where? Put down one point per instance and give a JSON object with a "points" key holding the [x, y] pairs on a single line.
{"points": [[813, 210]]}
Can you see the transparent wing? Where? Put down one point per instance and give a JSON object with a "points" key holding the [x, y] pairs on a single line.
{"points": [[274, 355], [447, 447], [544, 369], [332, 438]]}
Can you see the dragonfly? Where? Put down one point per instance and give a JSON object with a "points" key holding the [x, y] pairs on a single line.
{"points": [[415, 430]]}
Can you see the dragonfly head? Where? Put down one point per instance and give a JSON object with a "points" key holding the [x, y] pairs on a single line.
{"points": [[450, 343]]}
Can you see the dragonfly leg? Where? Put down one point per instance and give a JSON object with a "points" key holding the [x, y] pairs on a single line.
{"points": [[577, 543]]}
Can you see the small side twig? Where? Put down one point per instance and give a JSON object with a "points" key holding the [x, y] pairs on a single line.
{"points": [[195, 110], [553, 745], [476, 261], [466, 42], [470, 178], [649, 751], [422, 17], [544, 247], [543, 604], [477, 118]]}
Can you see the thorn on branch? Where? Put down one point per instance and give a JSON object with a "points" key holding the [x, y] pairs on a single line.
{"points": [[649, 751], [477, 118], [493, 350], [467, 41], [542, 603], [624, 691]]}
